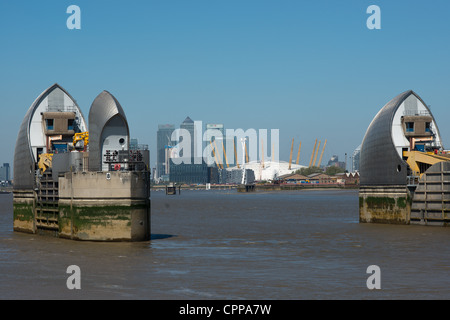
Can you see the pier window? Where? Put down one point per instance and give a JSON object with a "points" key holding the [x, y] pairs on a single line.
{"points": [[409, 126], [70, 124], [49, 123]]}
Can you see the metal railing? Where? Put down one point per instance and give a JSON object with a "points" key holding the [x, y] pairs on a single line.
{"points": [[412, 180], [125, 160], [416, 113]]}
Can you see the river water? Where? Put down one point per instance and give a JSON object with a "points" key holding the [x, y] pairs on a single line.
{"points": [[220, 244]]}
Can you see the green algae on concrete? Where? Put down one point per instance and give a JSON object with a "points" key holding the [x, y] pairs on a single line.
{"points": [[109, 222], [23, 217], [23, 211], [384, 204]]}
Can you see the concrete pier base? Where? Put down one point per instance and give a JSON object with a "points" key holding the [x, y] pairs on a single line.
{"points": [[384, 204], [23, 211], [105, 206], [95, 206]]}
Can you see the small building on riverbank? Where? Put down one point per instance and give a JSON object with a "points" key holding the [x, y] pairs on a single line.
{"points": [[293, 178]]}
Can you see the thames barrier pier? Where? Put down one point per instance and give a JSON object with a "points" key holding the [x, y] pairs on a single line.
{"points": [[79, 184], [404, 168]]}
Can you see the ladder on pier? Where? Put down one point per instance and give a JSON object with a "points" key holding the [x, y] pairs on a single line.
{"points": [[47, 211]]}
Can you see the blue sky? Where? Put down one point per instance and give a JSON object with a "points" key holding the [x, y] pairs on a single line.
{"points": [[311, 69]]}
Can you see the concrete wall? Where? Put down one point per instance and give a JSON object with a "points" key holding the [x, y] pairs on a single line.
{"points": [[60, 123], [104, 206], [104, 186], [384, 204], [23, 211]]}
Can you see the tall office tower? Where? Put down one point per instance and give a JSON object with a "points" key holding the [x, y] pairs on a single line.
{"points": [[188, 124], [163, 139], [215, 135], [355, 159], [5, 172]]}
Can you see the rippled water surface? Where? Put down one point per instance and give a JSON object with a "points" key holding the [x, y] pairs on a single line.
{"points": [[227, 245]]}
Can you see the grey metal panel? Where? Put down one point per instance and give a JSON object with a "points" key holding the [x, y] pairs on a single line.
{"points": [[65, 162], [380, 163], [56, 100], [431, 198], [24, 164], [103, 109], [60, 163], [411, 107], [23, 157]]}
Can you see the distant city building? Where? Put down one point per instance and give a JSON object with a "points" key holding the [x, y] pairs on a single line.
{"points": [[153, 173], [334, 161], [169, 153], [5, 172], [188, 124], [223, 146], [234, 176], [355, 159], [191, 169], [212, 133], [190, 173], [163, 140]]}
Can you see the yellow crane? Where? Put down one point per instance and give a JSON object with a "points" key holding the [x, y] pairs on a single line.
{"points": [[315, 156], [235, 154], [321, 155], [220, 162], [298, 154], [215, 157], [225, 154], [312, 154], [290, 157], [246, 153], [262, 146]]}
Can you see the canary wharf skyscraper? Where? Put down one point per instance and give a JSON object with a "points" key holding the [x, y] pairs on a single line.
{"points": [[163, 140]]}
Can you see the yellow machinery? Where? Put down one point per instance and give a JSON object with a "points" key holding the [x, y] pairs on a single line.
{"points": [[420, 161], [45, 161], [80, 136]]}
